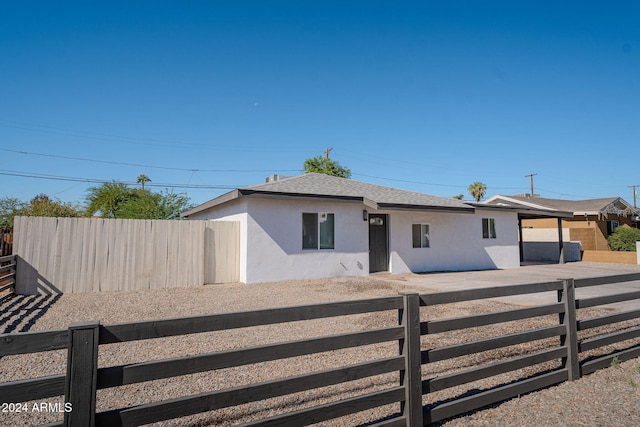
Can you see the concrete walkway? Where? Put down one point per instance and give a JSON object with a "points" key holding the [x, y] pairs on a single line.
{"points": [[450, 281]]}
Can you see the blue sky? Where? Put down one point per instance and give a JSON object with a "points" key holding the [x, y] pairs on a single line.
{"points": [[205, 96]]}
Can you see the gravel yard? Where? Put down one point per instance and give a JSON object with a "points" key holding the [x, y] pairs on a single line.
{"points": [[606, 398]]}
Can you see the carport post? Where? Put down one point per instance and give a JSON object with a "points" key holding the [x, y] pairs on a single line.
{"points": [[520, 240], [568, 318], [560, 243]]}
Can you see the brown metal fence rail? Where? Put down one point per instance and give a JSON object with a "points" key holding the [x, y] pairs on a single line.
{"points": [[568, 349], [7, 276], [83, 342], [84, 378], [6, 241]]}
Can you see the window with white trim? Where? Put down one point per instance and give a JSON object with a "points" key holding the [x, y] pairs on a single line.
{"points": [[318, 230], [488, 228], [420, 235]]}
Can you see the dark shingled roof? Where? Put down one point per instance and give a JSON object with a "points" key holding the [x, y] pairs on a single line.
{"points": [[315, 185], [609, 204]]}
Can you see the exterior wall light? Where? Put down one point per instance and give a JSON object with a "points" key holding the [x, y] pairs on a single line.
{"points": [[365, 215]]}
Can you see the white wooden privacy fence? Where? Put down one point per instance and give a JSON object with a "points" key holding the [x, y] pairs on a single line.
{"points": [[95, 254], [409, 391]]}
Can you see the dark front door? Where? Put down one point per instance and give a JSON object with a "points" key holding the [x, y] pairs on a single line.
{"points": [[378, 253]]}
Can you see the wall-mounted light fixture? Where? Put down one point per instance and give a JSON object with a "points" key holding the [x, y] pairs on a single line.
{"points": [[365, 215]]}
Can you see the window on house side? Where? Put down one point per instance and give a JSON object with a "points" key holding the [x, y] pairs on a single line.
{"points": [[611, 226], [327, 231], [488, 228], [318, 231], [420, 234]]}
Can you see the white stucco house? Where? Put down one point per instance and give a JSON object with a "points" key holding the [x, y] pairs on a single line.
{"points": [[315, 225]]}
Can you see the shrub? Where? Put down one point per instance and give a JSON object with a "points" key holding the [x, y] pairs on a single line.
{"points": [[624, 239]]}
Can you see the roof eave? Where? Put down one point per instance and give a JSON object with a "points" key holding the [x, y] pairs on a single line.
{"points": [[431, 208], [524, 212], [372, 204], [227, 197]]}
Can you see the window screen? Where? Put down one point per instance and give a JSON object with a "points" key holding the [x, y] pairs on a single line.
{"points": [[420, 235], [488, 228], [309, 231]]}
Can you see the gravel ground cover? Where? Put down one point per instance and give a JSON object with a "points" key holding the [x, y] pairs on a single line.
{"points": [[606, 398]]}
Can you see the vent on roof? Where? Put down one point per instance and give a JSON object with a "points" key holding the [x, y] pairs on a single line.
{"points": [[527, 195], [276, 177]]}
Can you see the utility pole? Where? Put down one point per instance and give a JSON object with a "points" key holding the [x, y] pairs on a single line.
{"points": [[635, 193], [531, 175], [326, 157]]}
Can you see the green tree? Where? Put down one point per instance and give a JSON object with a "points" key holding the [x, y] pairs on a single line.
{"points": [[116, 200], [142, 179], [140, 204], [107, 199], [9, 208], [326, 166], [171, 205], [477, 190], [458, 196], [43, 205], [624, 239]]}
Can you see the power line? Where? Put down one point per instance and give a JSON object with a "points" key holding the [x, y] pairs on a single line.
{"points": [[33, 127], [430, 183], [78, 133], [102, 181], [565, 194], [147, 166]]}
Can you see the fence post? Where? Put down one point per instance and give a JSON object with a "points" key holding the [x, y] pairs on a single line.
{"points": [[570, 339], [82, 374], [411, 378]]}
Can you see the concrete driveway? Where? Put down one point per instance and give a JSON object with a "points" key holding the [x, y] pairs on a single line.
{"points": [[450, 281]]}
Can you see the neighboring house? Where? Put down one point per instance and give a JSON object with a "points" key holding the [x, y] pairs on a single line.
{"points": [[592, 221], [314, 226]]}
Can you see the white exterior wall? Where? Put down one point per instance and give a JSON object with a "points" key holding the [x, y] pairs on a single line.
{"points": [[456, 242], [271, 240], [275, 245]]}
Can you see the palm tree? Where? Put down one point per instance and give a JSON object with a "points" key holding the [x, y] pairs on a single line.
{"points": [[477, 190], [142, 179]]}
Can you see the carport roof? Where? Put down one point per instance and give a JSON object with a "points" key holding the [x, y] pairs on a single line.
{"points": [[320, 186], [609, 205], [524, 210]]}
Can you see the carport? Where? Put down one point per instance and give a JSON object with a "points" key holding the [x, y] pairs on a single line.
{"points": [[526, 212], [537, 214]]}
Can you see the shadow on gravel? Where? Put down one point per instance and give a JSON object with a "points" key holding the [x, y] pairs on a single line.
{"points": [[469, 415], [21, 312]]}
